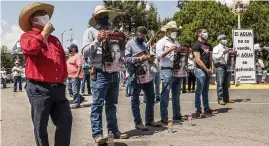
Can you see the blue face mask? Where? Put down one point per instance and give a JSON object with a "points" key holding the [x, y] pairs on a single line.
{"points": [[104, 21], [139, 40]]}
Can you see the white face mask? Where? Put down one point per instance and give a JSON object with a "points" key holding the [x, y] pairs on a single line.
{"points": [[174, 35], [42, 20], [205, 35], [224, 42]]}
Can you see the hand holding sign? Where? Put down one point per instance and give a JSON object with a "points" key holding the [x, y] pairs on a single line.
{"points": [[101, 36]]}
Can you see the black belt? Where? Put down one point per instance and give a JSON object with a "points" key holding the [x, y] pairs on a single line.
{"points": [[220, 65], [53, 85], [162, 68]]}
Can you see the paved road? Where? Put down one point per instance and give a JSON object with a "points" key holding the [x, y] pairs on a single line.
{"points": [[245, 123]]}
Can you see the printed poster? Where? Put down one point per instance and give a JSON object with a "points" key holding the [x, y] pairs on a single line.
{"points": [[113, 49], [143, 70], [180, 62]]}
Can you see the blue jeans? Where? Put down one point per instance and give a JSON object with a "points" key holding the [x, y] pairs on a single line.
{"points": [[105, 90], [86, 78], [135, 102], [223, 83], [157, 82], [203, 81], [127, 86], [170, 83], [4, 82], [17, 79], [74, 87]]}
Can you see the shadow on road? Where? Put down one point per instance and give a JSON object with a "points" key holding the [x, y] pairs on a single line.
{"points": [[223, 110], [242, 100], [151, 131], [115, 144]]}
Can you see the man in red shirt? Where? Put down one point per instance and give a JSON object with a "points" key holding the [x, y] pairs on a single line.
{"points": [[46, 71]]}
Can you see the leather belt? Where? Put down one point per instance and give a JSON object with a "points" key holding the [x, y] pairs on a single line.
{"points": [[162, 68], [53, 85]]}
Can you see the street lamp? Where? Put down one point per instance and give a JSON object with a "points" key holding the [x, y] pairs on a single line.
{"points": [[237, 7], [63, 35]]}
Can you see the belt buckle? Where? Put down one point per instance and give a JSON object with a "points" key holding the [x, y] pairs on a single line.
{"points": [[54, 85]]}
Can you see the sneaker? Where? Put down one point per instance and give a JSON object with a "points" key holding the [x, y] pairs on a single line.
{"points": [[100, 140], [177, 119], [164, 120], [154, 124], [127, 95], [210, 111], [221, 102], [75, 106], [141, 127], [200, 114], [119, 135]]}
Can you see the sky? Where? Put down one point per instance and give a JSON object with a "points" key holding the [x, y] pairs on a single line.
{"points": [[67, 14]]}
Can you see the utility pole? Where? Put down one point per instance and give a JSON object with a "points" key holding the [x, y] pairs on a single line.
{"points": [[71, 38]]}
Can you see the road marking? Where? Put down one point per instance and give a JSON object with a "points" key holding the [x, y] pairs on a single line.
{"points": [[249, 103]]}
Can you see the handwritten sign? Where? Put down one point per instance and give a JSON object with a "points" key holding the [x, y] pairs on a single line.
{"points": [[245, 59]]}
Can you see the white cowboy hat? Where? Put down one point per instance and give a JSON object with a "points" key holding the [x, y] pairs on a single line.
{"points": [[170, 25], [27, 11], [102, 9]]}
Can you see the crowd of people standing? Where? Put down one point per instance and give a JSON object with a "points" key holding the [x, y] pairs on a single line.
{"points": [[165, 62]]}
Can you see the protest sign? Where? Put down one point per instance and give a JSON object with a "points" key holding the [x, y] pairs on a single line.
{"points": [[180, 62], [143, 70], [113, 48], [243, 43]]}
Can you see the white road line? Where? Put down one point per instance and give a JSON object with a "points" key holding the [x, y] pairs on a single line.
{"points": [[248, 103]]}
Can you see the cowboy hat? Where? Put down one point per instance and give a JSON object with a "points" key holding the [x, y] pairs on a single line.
{"points": [[102, 9], [170, 25], [27, 11]]}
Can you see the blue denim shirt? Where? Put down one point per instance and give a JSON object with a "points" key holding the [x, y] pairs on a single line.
{"points": [[133, 48]]}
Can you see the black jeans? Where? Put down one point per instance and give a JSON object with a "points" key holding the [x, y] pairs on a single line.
{"points": [[47, 100], [191, 81], [223, 83]]}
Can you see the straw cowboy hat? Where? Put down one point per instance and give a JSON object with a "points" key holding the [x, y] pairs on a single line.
{"points": [[170, 25], [27, 11], [102, 9]]}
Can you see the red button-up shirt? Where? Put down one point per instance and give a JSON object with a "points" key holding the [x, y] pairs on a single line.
{"points": [[45, 61]]}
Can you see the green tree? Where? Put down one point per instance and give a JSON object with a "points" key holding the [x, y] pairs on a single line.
{"points": [[217, 18], [256, 18], [6, 58], [135, 13]]}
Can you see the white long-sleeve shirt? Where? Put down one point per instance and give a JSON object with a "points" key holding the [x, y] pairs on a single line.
{"points": [[161, 46], [218, 55]]}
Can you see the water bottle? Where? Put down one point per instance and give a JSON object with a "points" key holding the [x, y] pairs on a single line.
{"points": [[190, 119], [110, 139], [170, 127]]}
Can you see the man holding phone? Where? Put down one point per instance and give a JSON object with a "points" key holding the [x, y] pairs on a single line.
{"points": [[136, 58], [46, 72]]}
